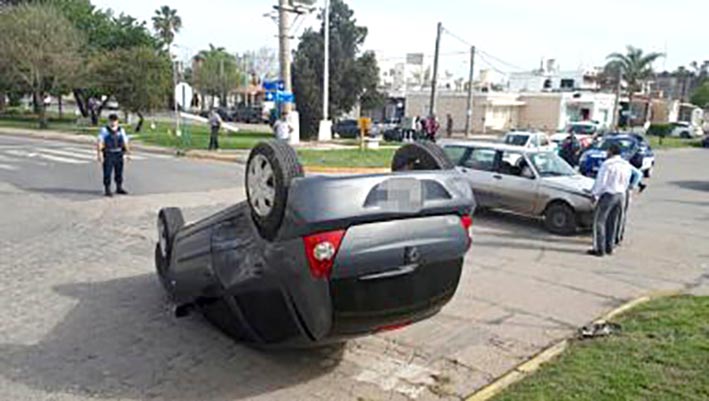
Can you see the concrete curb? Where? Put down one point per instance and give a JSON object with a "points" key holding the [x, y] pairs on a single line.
{"points": [[533, 364], [232, 157]]}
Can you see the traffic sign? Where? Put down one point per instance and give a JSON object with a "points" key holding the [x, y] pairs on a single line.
{"points": [[280, 97], [275, 85]]}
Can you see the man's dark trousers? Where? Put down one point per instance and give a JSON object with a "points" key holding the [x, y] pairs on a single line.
{"points": [[605, 222], [214, 138], [113, 163]]}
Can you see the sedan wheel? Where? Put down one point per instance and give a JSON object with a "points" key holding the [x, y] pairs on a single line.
{"points": [[560, 218]]}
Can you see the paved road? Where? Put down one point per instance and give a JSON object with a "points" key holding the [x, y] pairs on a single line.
{"points": [[85, 319]]}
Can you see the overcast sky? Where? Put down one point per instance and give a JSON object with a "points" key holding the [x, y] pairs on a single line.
{"points": [[518, 32]]}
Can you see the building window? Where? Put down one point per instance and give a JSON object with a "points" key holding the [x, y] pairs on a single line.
{"points": [[567, 84], [547, 84]]}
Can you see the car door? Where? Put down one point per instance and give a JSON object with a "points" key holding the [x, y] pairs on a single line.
{"points": [[513, 190], [478, 164]]}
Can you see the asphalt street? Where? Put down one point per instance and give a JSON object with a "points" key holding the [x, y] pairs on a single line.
{"points": [[84, 317]]}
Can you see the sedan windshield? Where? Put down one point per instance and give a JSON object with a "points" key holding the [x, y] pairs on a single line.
{"points": [[516, 140], [548, 164]]}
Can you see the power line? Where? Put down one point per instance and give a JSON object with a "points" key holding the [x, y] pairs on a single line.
{"points": [[499, 60]]}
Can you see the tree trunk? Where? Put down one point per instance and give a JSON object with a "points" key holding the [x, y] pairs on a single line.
{"points": [[629, 120], [97, 115], [81, 102], [41, 111], [36, 101], [2, 101], [139, 126], [61, 106]]}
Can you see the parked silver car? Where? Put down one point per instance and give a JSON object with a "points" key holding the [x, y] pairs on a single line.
{"points": [[532, 182]]}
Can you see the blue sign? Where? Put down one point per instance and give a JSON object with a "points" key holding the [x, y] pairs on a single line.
{"points": [[280, 97], [277, 85]]}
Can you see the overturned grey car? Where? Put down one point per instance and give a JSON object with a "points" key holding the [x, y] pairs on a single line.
{"points": [[317, 259], [529, 181]]}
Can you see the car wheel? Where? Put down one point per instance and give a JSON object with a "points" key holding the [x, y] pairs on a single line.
{"points": [[685, 135], [421, 156], [560, 218], [170, 221], [271, 168]]}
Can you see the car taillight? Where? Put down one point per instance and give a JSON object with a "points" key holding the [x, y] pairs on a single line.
{"points": [[466, 221], [320, 250]]}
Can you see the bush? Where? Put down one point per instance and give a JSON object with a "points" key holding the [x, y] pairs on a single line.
{"points": [[661, 130]]}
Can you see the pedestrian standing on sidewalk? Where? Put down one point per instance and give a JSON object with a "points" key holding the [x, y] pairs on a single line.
{"points": [[609, 190], [112, 147], [282, 129], [215, 123], [449, 125]]}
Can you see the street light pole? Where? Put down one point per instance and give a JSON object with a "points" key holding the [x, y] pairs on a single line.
{"points": [[284, 47], [469, 111], [434, 80]]}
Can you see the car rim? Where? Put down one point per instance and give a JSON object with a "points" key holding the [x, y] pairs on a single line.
{"points": [[262, 185], [162, 240], [559, 220]]}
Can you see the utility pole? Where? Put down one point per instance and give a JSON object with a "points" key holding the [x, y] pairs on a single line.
{"points": [[284, 47], [434, 80], [325, 129], [469, 109], [616, 110]]}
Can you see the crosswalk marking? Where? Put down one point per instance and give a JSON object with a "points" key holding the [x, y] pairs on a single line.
{"points": [[67, 153], [12, 157], [30, 154]]}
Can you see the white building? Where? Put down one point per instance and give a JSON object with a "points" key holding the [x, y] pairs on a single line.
{"points": [[549, 78]]}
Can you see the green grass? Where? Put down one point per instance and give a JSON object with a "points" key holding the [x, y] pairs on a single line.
{"points": [[346, 157], [661, 354], [674, 142]]}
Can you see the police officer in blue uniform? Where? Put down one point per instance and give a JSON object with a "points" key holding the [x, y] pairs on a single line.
{"points": [[112, 147]]}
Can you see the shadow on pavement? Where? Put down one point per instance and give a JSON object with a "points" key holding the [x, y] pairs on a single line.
{"points": [[120, 342], [693, 185], [67, 191]]}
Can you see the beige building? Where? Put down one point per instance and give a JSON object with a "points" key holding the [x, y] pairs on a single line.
{"points": [[495, 112]]}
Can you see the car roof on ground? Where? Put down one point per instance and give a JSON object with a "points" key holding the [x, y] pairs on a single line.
{"points": [[493, 145]]}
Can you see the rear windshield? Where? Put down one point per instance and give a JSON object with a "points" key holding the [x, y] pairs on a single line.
{"points": [[516, 140], [624, 143], [581, 129]]}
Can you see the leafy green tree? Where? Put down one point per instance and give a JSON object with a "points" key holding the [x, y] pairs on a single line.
{"points": [[216, 72], [139, 79], [39, 50], [635, 66], [166, 23], [700, 97], [353, 77]]}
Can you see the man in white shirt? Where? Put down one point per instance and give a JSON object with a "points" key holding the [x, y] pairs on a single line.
{"points": [[282, 128], [609, 189]]}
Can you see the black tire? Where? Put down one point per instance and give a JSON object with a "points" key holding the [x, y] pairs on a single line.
{"points": [[560, 218], [420, 156], [285, 167], [170, 221], [685, 135]]}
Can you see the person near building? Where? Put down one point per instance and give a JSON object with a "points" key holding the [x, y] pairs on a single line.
{"points": [[432, 127], [609, 190], [570, 149], [449, 125], [282, 128], [112, 148], [215, 123]]}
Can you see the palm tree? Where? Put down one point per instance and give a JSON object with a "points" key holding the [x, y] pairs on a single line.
{"points": [[635, 67], [166, 23]]}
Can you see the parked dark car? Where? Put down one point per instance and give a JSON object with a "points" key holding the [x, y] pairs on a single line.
{"points": [[634, 148], [299, 264], [346, 128], [249, 115]]}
